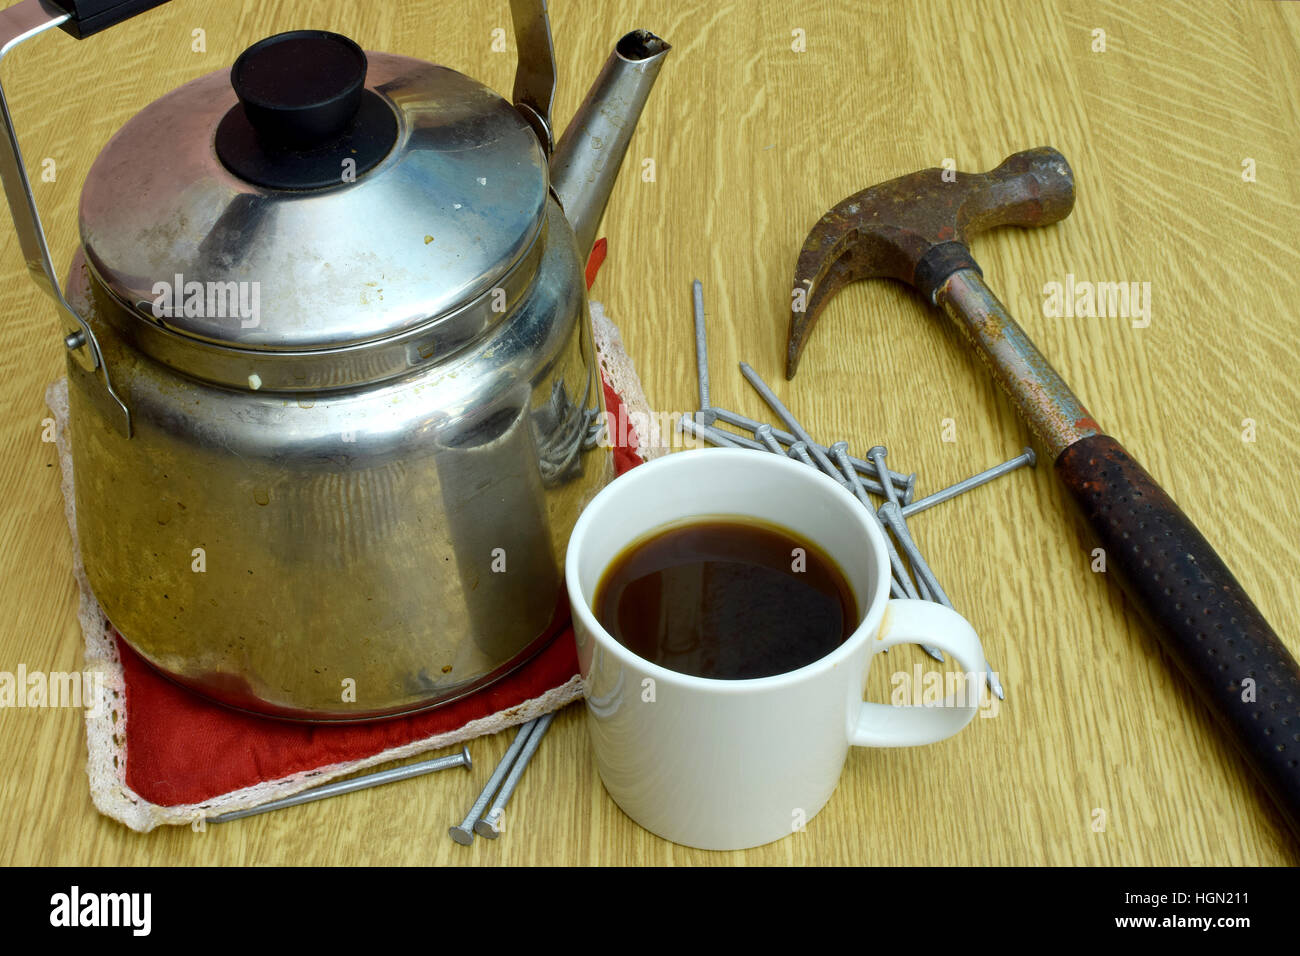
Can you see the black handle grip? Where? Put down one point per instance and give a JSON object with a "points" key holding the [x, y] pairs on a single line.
{"points": [[1203, 616], [91, 16]]}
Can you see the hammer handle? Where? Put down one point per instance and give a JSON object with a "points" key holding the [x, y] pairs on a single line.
{"points": [[1204, 618]]}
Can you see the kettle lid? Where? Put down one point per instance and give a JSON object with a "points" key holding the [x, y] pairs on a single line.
{"points": [[316, 197]]}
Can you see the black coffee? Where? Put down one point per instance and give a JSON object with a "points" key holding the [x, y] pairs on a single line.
{"points": [[726, 598]]}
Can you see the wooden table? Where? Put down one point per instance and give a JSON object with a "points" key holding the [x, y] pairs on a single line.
{"points": [[1098, 755]]}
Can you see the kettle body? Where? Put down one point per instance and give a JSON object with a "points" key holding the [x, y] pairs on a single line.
{"points": [[350, 553]]}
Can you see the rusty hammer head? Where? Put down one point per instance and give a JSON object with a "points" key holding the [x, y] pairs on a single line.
{"points": [[915, 229]]}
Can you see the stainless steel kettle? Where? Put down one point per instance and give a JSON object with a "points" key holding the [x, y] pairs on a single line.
{"points": [[334, 400]]}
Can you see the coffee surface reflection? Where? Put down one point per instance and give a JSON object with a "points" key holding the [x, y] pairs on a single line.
{"points": [[727, 599]]}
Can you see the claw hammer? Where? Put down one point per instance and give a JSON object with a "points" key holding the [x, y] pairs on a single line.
{"points": [[915, 229]]}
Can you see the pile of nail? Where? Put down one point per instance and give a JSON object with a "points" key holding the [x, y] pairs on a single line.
{"points": [[501, 784], [492, 823], [911, 579]]}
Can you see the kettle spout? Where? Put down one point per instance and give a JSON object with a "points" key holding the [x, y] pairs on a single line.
{"points": [[588, 156]]}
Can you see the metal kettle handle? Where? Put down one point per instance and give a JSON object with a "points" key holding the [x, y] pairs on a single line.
{"points": [[21, 22], [534, 90]]}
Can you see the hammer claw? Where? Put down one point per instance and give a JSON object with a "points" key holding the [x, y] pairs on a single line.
{"points": [[819, 274]]}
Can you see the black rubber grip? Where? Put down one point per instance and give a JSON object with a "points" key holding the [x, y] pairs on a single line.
{"points": [[90, 16], [1206, 622]]}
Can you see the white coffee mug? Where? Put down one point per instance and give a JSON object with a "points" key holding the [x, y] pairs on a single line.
{"points": [[729, 764]]}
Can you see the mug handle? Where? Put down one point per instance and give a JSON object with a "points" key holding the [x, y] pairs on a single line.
{"points": [[923, 622]]}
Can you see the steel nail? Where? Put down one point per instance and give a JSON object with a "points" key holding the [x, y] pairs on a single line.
{"points": [[905, 484], [926, 584], [995, 685], [351, 785], [464, 833], [705, 416], [840, 452], [764, 434], [895, 561], [488, 826], [791, 422], [926, 593], [718, 437], [892, 515], [799, 450], [924, 578], [876, 455], [983, 478]]}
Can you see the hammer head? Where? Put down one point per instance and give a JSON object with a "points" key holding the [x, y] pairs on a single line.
{"points": [[915, 229]]}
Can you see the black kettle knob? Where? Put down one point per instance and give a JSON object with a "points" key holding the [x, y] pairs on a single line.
{"points": [[302, 88], [305, 119]]}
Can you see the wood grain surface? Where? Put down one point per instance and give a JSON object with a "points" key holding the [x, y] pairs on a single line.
{"points": [[1099, 755]]}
